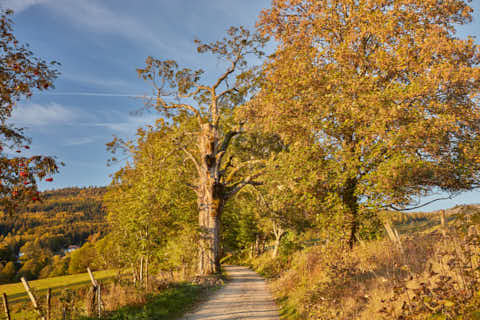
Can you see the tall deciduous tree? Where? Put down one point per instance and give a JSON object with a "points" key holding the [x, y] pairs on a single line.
{"points": [[217, 175], [20, 73], [384, 90]]}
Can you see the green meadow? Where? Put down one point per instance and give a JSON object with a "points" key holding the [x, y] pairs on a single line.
{"points": [[16, 292]]}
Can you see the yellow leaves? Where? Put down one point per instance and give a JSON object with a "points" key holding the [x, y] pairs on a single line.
{"points": [[448, 303]]}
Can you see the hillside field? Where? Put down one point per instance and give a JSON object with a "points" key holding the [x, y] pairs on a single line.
{"points": [[16, 292]]}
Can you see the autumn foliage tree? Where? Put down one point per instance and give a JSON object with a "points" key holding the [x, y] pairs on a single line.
{"points": [[383, 90], [20, 74], [218, 176]]}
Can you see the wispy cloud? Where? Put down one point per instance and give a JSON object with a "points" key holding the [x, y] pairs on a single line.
{"points": [[129, 126], [97, 94], [42, 115], [99, 81], [77, 141], [95, 16], [20, 5]]}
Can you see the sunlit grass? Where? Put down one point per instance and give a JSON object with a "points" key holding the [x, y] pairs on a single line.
{"points": [[16, 292]]}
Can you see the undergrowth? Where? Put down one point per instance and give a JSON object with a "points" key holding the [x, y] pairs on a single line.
{"points": [[428, 276], [170, 303]]}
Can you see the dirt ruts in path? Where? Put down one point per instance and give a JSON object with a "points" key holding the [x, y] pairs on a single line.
{"points": [[245, 296]]}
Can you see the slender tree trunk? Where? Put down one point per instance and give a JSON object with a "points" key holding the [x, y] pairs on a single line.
{"points": [[140, 274], [257, 245], [134, 274], [351, 202], [278, 232], [262, 249], [146, 272]]}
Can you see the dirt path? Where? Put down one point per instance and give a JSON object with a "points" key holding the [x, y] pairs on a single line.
{"points": [[245, 296]]}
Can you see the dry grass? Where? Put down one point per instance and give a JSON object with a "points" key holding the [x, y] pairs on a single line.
{"points": [[429, 276]]}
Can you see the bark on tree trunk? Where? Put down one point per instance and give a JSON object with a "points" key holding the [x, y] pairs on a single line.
{"points": [[351, 202], [140, 273], [278, 232], [211, 199], [209, 259], [257, 245], [146, 272], [134, 274]]}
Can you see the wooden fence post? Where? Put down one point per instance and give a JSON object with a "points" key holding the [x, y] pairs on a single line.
{"points": [[32, 298], [94, 292], [49, 304], [393, 235], [99, 302], [92, 278], [5, 304]]}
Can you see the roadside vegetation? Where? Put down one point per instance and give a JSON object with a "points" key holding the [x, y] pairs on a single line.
{"points": [[170, 303], [426, 275]]}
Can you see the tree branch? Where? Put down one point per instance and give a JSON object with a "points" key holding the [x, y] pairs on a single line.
{"points": [[227, 91], [242, 165], [161, 103], [223, 147], [191, 157], [186, 96], [236, 187], [229, 71], [419, 206]]}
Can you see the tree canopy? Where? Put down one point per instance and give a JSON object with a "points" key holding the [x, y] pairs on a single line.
{"points": [[383, 90]]}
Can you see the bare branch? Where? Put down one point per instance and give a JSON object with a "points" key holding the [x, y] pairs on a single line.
{"points": [[236, 187], [229, 71], [223, 147], [191, 157], [193, 93], [227, 91], [419, 206], [228, 138], [163, 104], [243, 165]]}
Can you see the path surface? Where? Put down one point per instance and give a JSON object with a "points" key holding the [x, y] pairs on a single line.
{"points": [[245, 296]]}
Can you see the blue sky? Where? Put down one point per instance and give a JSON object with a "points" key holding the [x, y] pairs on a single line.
{"points": [[100, 43]]}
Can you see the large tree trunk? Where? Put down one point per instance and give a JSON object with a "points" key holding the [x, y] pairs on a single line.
{"points": [[210, 202], [209, 255]]}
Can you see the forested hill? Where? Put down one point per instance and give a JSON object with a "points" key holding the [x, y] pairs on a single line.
{"points": [[31, 237]]}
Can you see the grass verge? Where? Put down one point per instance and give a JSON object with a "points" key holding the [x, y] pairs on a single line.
{"points": [[171, 303]]}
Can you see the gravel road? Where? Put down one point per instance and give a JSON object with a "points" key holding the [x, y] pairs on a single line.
{"points": [[245, 296]]}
